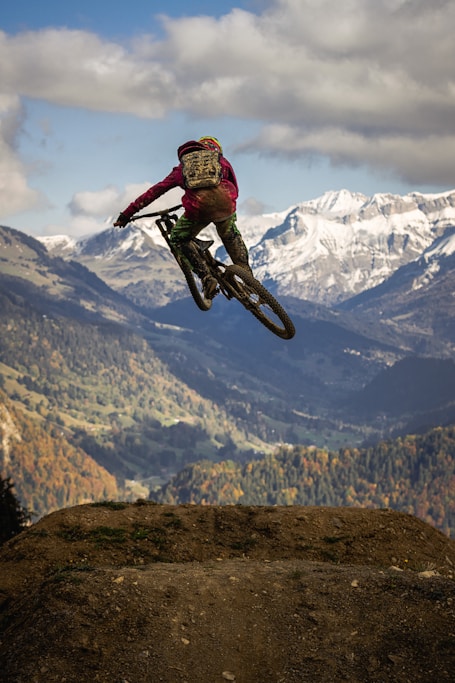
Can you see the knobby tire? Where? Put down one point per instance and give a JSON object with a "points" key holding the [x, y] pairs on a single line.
{"points": [[258, 301], [194, 285]]}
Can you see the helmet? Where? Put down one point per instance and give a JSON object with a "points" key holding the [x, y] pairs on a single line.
{"points": [[189, 146], [211, 143]]}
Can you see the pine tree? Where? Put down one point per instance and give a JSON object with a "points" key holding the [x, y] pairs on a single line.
{"points": [[13, 517]]}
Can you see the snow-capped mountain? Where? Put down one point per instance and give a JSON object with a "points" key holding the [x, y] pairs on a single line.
{"points": [[329, 249], [109, 244], [59, 245], [325, 250], [419, 296]]}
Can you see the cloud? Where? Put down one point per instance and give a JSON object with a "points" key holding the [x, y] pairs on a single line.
{"points": [[92, 212], [78, 226], [94, 203], [101, 203], [253, 207], [363, 82], [414, 160], [15, 193], [76, 68]]}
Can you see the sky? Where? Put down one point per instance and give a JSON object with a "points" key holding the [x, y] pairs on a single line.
{"points": [[306, 96]]}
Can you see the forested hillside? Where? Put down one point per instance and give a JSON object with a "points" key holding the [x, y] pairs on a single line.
{"points": [[109, 395], [414, 474], [48, 472]]}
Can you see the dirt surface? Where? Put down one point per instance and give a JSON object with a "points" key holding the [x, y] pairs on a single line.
{"points": [[143, 593]]}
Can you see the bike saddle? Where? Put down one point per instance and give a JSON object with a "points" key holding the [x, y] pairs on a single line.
{"points": [[203, 244]]}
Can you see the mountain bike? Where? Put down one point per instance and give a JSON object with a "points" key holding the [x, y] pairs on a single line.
{"points": [[234, 282]]}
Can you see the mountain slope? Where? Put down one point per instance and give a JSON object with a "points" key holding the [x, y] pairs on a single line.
{"points": [[48, 472], [75, 353], [134, 261], [228, 357], [54, 285], [417, 298], [411, 388]]}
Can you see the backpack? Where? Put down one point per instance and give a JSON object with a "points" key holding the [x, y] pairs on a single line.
{"points": [[201, 168]]}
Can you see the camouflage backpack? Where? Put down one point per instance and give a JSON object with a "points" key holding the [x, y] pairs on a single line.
{"points": [[201, 168]]}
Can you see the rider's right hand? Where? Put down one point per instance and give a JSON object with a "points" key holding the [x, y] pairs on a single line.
{"points": [[121, 222]]}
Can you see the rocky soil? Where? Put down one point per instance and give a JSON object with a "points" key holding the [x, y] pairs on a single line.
{"points": [[143, 593]]}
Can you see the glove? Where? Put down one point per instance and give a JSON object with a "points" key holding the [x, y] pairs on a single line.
{"points": [[122, 221]]}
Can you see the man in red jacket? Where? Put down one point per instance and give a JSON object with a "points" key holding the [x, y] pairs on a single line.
{"points": [[210, 200]]}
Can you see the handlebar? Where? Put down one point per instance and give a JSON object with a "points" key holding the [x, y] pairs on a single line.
{"points": [[163, 212]]}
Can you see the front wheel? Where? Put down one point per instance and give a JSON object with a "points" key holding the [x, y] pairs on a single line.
{"points": [[258, 301], [194, 284]]}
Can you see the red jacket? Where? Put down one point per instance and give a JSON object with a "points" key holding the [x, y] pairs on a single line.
{"points": [[201, 205]]}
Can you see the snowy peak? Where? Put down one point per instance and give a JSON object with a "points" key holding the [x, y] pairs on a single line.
{"points": [[58, 245], [336, 204], [114, 242], [359, 206], [110, 244], [329, 249]]}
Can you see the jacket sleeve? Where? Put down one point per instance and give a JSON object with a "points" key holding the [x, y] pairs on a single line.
{"points": [[174, 179]]}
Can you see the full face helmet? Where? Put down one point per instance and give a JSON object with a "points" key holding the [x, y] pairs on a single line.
{"points": [[211, 143]]}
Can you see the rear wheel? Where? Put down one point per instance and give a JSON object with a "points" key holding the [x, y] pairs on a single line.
{"points": [[258, 300], [194, 285]]}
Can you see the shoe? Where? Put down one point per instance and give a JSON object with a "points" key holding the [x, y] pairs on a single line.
{"points": [[209, 286]]}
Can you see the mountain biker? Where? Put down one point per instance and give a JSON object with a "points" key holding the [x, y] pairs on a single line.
{"points": [[211, 201]]}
